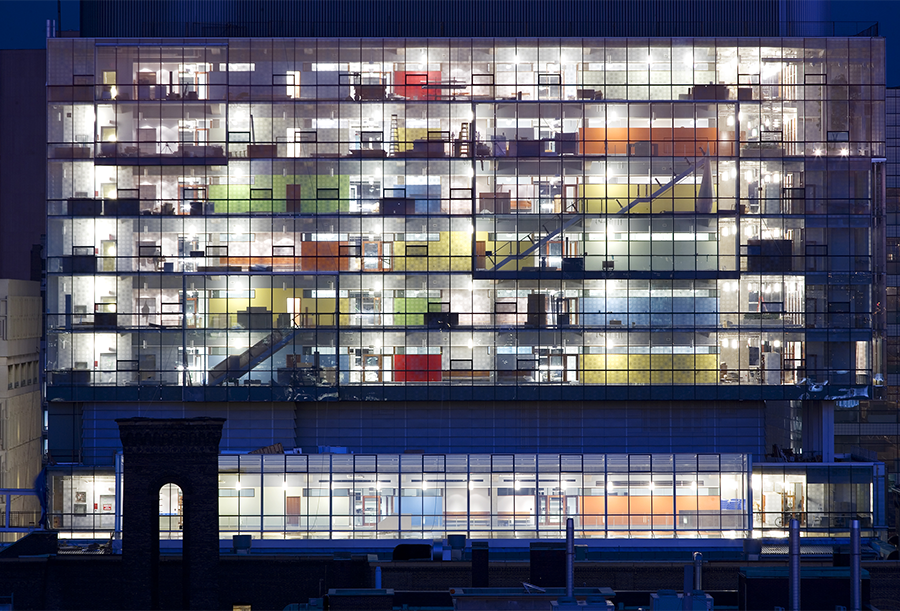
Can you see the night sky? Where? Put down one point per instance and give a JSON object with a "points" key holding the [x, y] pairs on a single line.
{"points": [[23, 23]]}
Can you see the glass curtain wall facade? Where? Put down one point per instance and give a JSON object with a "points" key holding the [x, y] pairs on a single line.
{"points": [[275, 219], [496, 496]]}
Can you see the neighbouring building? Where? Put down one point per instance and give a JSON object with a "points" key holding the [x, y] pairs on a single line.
{"points": [[21, 426], [23, 175]]}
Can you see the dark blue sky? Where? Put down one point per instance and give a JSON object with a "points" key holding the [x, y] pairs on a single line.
{"points": [[887, 14], [23, 23]]}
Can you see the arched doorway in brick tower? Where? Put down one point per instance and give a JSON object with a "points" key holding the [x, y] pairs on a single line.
{"points": [[166, 459]]}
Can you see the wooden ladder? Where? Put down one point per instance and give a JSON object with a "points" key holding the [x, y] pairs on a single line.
{"points": [[465, 143], [395, 136]]}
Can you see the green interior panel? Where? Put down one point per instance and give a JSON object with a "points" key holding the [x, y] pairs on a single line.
{"points": [[235, 199], [408, 310]]}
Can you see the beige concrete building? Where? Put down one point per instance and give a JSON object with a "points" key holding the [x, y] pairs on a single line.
{"points": [[20, 400]]}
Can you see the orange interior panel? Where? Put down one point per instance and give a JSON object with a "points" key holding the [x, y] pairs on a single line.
{"points": [[323, 257], [658, 507], [282, 262], [668, 142]]}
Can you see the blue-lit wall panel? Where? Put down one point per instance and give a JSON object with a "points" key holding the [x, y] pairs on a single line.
{"points": [[452, 18]]}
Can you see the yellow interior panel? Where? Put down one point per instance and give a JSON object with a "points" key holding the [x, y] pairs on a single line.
{"points": [[648, 369], [320, 311], [406, 136], [609, 199], [451, 253], [502, 250]]}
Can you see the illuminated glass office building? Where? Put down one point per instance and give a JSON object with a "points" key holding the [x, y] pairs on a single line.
{"points": [[475, 248]]}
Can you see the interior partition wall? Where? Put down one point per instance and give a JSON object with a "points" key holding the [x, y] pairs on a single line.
{"points": [[290, 219]]}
